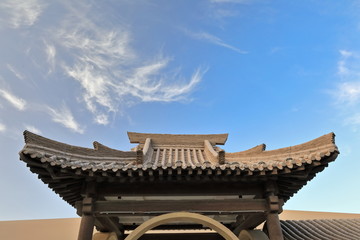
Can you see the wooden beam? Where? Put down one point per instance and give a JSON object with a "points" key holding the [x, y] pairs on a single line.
{"points": [[175, 188], [248, 221], [165, 206], [111, 224]]}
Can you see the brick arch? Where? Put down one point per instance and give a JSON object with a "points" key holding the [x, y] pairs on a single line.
{"points": [[182, 216]]}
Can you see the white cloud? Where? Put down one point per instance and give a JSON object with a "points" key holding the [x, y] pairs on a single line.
{"points": [[111, 73], [347, 92], [96, 85], [2, 127], [50, 51], [102, 119], [15, 72], [345, 53], [214, 40], [349, 65], [221, 9], [65, 118], [167, 93], [342, 63], [32, 129], [17, 102], [17, 13]]}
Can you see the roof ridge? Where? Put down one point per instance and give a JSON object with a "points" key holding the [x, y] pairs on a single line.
{"points": [[178, 139]]}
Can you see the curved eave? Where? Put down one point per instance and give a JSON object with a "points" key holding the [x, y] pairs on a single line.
{"points": [[326, 141], [46, 147], [64, 168], [67, 181]]}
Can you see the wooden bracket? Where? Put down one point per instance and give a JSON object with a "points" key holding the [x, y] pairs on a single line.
{"points": [[274, 204], [87, 206]]}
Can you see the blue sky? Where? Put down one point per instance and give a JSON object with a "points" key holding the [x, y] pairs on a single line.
{"points": [[273, 72]]}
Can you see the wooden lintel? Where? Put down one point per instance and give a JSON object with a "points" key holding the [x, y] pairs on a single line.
{"points": [[175, 188], [165, 206]]}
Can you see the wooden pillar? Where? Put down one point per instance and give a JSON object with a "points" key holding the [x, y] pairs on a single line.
{"points": [[86, 211], [86, 227], [274, 208], [273, 226]]}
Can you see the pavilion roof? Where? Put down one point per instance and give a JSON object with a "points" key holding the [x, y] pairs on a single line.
{"points": [[158, 155]]}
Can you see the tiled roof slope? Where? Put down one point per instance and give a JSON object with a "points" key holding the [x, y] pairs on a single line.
{"points": [[159, 155], [337, 229]]}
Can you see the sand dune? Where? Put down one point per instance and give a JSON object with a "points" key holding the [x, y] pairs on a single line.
{"points": [[67, 228]]}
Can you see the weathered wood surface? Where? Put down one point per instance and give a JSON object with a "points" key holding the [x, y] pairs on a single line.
{"points": [[86, 227], [169, 188], [273, 227], [166, 206]]}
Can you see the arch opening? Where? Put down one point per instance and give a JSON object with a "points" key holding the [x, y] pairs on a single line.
{"points": [[185, 217]]}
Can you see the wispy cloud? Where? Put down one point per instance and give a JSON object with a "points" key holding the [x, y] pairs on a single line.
{"points": [[101, 119], [111, 73], [50, 51], [222, 9], [32, 129], [17, 102], [17, 13], [214, 40], [65, 118], [353, 120], [150, 91], [343, 70], [99, 55], [347, 92], [2, 127], [15, 72]]}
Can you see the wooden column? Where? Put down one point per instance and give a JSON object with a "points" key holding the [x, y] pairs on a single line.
{"points": [[86, 209], [86, 227], [273, 226], [274, 208]]}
